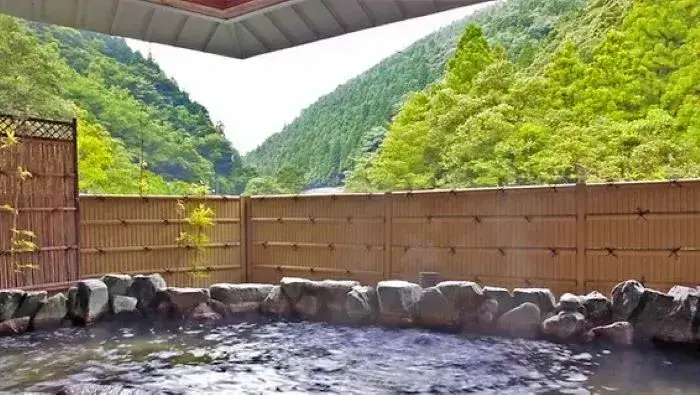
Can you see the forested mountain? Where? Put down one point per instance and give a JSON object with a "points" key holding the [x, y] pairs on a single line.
{"points": [[127, 106], [613, 94], [329, 136]]}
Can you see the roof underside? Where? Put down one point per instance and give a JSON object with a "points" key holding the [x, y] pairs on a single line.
{"points": [[233, 28]]}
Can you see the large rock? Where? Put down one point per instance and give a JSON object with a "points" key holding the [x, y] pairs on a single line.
{"points": [[124, 305], [72, 304], [97, 389], [502, 296], [598, 309], [564, 325], [446, 303], [521, 321], [31, 303], [332, 295], [542, 297], [14, 326], [625, 299], [203, 313], [10, 299], [570, 302], [483, 319], [294, 287], [396, 300], [52, 313], [93, 300], [361, 305], [665, 317], [621, 333], [144, 289], [276, 303], [240, 298], [117, 284], [181, 301], [309, 307], [237, 293]]}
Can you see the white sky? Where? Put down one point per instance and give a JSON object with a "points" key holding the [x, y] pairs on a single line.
{"points": [[255, 98]]}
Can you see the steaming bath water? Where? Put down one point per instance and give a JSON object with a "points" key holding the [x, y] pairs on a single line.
{"points": [[302, 357]]}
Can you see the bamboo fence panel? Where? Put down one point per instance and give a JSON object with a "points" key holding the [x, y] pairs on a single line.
{"points": [[138, 235], [646, 231], [512, 237], [47, 204], [569, 238], [317, 237]]}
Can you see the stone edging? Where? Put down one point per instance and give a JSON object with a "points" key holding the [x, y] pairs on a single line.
{"points": [[633, 313]]}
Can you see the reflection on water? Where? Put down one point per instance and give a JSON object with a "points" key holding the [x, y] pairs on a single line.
{"points": [[294, 357]]}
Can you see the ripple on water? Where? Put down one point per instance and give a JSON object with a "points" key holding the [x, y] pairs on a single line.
{"points": [[293, 357]]}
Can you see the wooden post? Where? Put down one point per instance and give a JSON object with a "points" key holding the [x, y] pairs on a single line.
{"points": [[245, 205], [580, 193], [388, 221]]}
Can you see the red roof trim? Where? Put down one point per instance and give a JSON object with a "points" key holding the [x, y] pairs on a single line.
{"points": [[223, 9]]}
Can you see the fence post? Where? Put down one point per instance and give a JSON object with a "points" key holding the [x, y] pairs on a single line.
{"points": [[388, 222], [245, 205], [580, 193]]}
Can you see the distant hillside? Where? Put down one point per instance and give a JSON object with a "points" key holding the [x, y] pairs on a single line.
{"points": [[612, 95], [126, 105], [329, 136]]}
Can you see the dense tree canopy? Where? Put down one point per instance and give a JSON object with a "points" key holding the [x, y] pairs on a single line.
{"points": [[127, 107], [329, 137], [618, 104]]}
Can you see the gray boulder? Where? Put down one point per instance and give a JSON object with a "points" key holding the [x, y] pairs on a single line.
{"points": [[502, 296], [361, 305], [240, 298], [486, 313], [308, 307], [332, 295], [564, 325], [396, 300], [14, 326], [52, 313], [203, 313], [10, 299], [276, 303], [181, 301], [483, 319], [31, 303], [521, 321], [97, 389], [666, 317], [72, 303], [446, 303], [542, 297], [117, 284], [124, 305], [598, 309], [625, 298], [621, 333], [294, 287], [144, 289], [92, 299], [570, 302]]}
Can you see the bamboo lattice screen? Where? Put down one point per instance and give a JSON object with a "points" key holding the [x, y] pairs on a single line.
{"points": [[47, 202]]}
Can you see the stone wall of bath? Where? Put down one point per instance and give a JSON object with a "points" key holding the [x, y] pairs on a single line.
{"points": [[631, 314]]}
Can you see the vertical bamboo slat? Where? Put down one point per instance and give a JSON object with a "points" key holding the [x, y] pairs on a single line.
{"points": [[580, 238]]}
